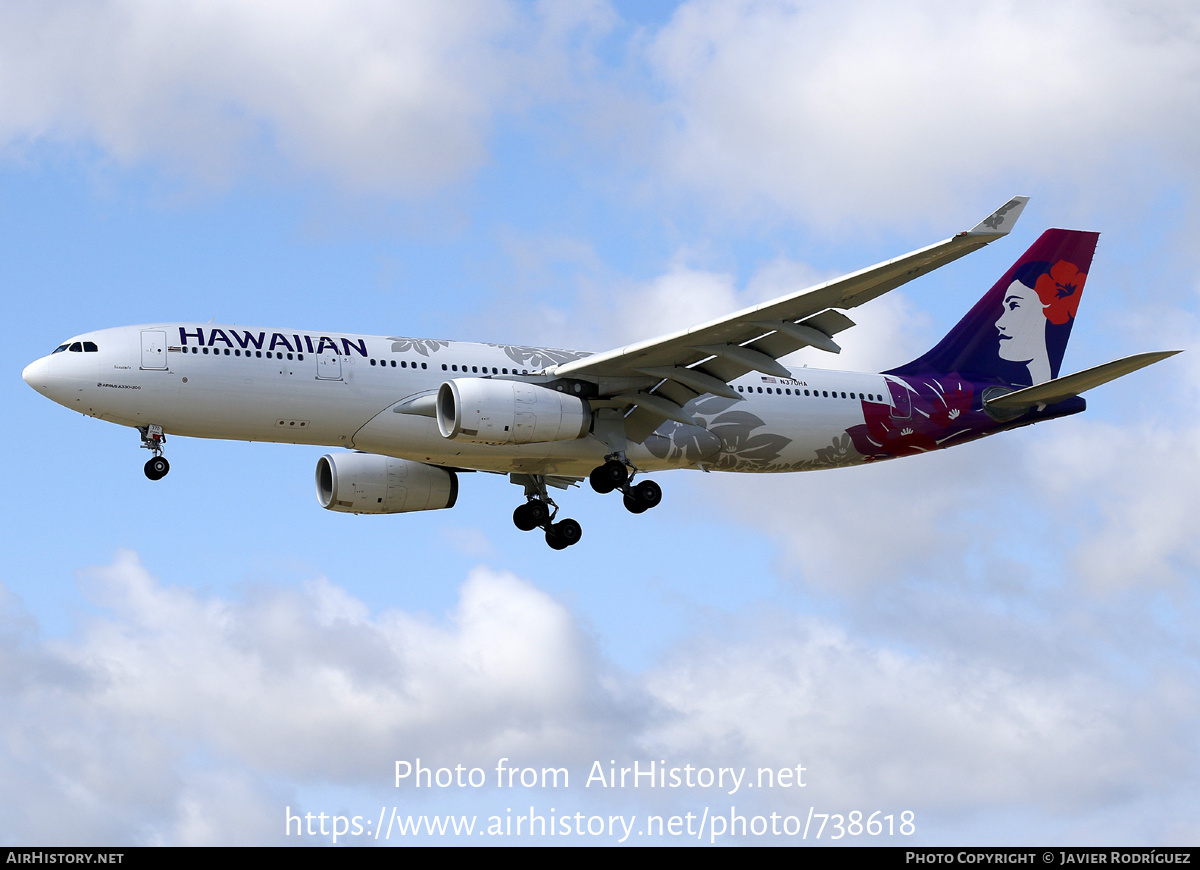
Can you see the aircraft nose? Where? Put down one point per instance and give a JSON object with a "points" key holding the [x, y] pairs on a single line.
{"points": [[37, 376]]}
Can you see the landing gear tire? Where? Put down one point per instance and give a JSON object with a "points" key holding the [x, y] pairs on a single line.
{"points": [[539, 511], [530, 515], [642, 497], [563, 534], [599, 480], [648, 493], [609, 476], [522, 520], [157, 467]]}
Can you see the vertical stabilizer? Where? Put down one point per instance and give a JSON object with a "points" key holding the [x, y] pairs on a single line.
{"points": [[1017, 333]]}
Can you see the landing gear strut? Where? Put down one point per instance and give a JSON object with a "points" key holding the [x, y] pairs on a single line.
{"points": [[614, 474], [539, 512], [156, 467]]}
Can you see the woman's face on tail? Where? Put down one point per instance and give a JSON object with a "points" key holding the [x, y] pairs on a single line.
{"points": [[1022, 325]]}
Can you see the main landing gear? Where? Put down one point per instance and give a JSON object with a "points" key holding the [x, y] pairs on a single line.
{"points": [[156, 467], [539, 512], [614, 474], [539, 509]]}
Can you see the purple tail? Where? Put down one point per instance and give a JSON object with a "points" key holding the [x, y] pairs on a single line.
{"points": [[1017, 332]]}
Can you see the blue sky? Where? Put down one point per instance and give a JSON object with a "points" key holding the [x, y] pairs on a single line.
{"points": [[996, 638]]}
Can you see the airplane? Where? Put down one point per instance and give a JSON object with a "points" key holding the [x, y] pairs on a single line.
{"points": [[416, 413]]}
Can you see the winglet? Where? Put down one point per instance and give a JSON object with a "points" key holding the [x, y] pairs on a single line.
{"points": [[1002, 220]]}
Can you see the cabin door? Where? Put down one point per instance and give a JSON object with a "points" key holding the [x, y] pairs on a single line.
{"points": [[154, 349]]}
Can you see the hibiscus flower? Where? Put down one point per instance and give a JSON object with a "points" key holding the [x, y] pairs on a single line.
{"points": [[1060, 290]]}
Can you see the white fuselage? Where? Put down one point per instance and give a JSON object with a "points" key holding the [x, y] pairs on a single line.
{"points": [[297, 387]]}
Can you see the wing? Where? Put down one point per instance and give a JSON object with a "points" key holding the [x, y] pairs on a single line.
{"points": [[661, 375]]}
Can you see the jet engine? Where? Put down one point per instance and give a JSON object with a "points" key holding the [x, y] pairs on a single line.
{"points": [[364, 483], [484, 411]]}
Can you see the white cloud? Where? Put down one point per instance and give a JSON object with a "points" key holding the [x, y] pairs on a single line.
{"points": [[826, 113], [175, 718], [376, 96], [680, 298], [879, 726], [165, 719], [1133, 495], [873, 109], [858, 529]]}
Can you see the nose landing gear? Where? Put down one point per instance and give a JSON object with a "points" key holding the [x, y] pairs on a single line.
{"points": [[156, 467]]}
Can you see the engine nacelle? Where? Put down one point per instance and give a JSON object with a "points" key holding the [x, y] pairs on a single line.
{"points": [[509, 412], [364, 483]]}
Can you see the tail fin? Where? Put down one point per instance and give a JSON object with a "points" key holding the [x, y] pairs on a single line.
{"points": [[1017, 332]]}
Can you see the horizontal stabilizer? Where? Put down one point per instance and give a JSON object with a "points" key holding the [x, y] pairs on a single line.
{"points": [[1059, 389]]}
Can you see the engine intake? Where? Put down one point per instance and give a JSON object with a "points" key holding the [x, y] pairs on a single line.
{"points": [[364, 483], [484, 411]]}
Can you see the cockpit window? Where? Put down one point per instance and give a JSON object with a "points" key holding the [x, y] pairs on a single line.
{"points": [[58, 349], [90, 347], [76, 347]]}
